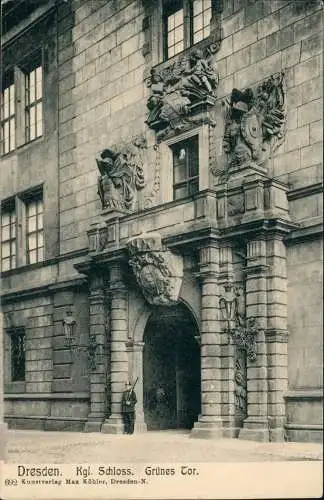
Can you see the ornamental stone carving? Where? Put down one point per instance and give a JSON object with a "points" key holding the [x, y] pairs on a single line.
{"points": [[158, 271], [255, 123], [121, 175], [179, 88]]}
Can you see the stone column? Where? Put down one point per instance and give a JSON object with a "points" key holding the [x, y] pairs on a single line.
{"points": [[227, 352], [3, 426], [119, 358], [140, 425], [210, 420], [256, 426], [97, 376], [277, 336]]}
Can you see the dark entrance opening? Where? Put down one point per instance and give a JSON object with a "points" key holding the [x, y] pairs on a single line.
{"points": [[171, 371]]}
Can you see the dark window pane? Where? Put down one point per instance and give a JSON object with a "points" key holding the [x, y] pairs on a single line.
{"points": [[18, 356], [180, 192], [193, 187], [180, 172]]}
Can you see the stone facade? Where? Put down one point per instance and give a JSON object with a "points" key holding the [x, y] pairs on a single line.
{"points": [[251, 92]]}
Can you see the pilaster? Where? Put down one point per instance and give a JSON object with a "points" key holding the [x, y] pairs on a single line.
{"points": [[256, 424], [118, 349], [97, 326], [210, 422], [3, 426], [277, 336], [227, 351], [140, 425]]}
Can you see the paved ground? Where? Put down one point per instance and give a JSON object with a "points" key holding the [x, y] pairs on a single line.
{"points": [[163, 446]]}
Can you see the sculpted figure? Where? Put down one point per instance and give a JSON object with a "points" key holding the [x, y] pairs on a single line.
{"points": [[201, 77], [256, 123], [176, 87], [121, 176]]}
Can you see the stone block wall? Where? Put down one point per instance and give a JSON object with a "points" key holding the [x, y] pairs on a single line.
{"points": [[102, 101]]}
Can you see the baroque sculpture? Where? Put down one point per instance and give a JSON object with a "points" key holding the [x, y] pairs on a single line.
{"points": [[121, 175], [241, 330], [178, 87], [158, 271], [255, 123]]}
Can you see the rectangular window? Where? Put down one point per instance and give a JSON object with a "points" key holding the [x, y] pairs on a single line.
{"points": [[186, 22], [185, 168], [34, 103], [8, 120], [202, 13], [34, 230], [18, 354], [174, 28], [8, 237]]}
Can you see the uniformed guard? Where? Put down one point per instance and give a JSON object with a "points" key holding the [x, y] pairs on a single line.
{"points": [[129, 401]]}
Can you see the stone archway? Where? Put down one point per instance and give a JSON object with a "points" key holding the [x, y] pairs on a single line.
{"points": [[171, 369]]}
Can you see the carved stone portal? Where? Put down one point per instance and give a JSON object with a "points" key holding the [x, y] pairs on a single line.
{"points": [[255, 123], [121, 175], [158, 271], [178, 88]]}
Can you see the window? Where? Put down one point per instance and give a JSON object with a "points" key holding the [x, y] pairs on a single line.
{"points": [[185, 168], [201, 19], [34, 230], [186, 22], [22, 230], [18, 354], [174, 28], [22, 103], [8, 121], [8, 237], [34, 103]]}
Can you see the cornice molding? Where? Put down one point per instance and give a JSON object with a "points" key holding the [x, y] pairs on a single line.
{"points": [[34, 18], [45, 289], [302, 192], [306, 233]]}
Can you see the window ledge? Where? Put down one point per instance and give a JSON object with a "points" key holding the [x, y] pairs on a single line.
{"points": [[22, 147]]}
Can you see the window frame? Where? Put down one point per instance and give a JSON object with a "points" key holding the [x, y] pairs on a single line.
{"points": [[187, 145], [20, 202], [8, 82], [168, 7], [15, 333], [36, 103], [34, 197], [20, 74], [10, 208]]}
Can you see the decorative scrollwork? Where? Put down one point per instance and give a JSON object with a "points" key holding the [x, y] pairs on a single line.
{"points": [[180, 86], [255, 122], [158, 271], [244, 337]]}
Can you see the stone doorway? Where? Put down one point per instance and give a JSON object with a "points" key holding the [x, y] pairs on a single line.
{"points": [[171, 369]]}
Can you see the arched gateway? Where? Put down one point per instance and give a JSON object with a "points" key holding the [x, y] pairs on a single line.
{"points": [[171, 369]]}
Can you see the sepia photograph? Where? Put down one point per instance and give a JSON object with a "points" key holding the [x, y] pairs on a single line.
{"points": [[161, 257]]}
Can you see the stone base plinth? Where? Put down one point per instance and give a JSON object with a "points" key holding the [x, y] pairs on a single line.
{"points": [[207, 430], [3, 440], [140, 426], [113, 425], [93, 426], [277, 435], [255, 430]]}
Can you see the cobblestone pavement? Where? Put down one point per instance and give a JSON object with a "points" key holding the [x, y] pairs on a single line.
{"points": [[164, 446]]}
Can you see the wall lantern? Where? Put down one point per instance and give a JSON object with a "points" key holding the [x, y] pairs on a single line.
{"points": [[241, 330], [228, 306], [92, 348], [69, 325]]}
